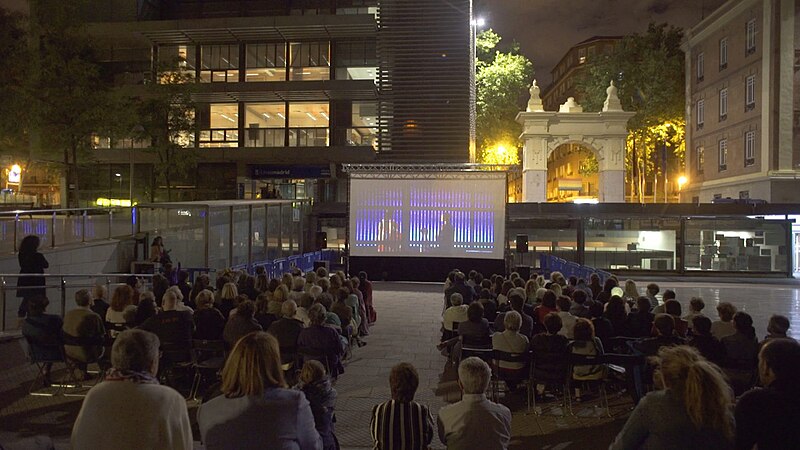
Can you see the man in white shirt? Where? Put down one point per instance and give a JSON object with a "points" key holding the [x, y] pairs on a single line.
{"points": [[129, 409], [474, 422]]}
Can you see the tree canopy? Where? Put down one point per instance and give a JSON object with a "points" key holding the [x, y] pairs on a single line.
{"points": [[502, 80], [648, 70]]}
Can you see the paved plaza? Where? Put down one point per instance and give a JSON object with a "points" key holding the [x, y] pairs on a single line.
{"points": [[408, 330]]}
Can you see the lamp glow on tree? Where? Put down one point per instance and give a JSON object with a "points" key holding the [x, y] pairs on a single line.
{"points": [[500, 153], [682, 180]]}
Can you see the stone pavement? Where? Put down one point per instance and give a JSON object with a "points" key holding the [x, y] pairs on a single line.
{"points": [[407, 330]]}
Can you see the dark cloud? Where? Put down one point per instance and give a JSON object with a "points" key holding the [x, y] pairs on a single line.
{"points": [[546, 29]]}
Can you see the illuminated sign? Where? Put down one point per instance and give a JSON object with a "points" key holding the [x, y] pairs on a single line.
{"points": [[102, 201], [15, 174]]}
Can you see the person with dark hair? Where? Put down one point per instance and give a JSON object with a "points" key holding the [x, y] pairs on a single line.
{"points": [[594, 285], [99, 304], [691, 412], [209, 322], [476, 328], [664, 325], [567, 320], [605, 294], [579, 306], [673, 308], [669, 294], [129, 410], [603, 328], [650, 292], [696, 305], [322, 339], [316, 385], [157, 252], [201, 283], [766, 418], [548, 306], [741, 353], [640, 320], [413, 433], [550, 343], [146, 308], [254, 390], [486, 299], [777, 328], [160, 286], [44, 330], [30, 262], [702, 339], [616, 313], [241, 323], [185, 288], [586, 344], [460, 286], [724, 326]]}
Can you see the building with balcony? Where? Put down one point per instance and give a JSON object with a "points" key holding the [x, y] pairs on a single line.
{"points": [[567, 72], [287, 91], [743, 103]]}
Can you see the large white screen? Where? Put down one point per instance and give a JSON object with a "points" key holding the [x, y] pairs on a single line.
{"points": [[461, 216]]}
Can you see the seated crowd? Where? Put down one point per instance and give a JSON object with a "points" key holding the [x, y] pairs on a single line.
{"points": [[296, 331]]}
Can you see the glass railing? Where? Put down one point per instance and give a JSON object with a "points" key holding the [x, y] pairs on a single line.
{"points": [[308, 137], [58, 227]]}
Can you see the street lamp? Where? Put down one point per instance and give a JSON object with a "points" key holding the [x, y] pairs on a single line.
{"points": [[681, 181]]}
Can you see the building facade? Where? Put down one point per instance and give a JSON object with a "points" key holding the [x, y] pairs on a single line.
{"points": [[567, 72], [287, 91], [742, 103]]}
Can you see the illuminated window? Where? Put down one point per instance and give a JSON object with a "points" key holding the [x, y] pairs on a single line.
{"points": [[266, 124], [723, 154], [266, 62], [308, 124], [749, 148], [309, 61], [219, 63], [219, 125], [176, 59], [701, 159]]}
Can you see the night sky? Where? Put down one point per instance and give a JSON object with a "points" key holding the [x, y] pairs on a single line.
{"points": [[546, 29]]}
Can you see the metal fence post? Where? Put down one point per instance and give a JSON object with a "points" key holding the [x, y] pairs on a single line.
{"points": [[110, 222], [16, 226], [3, 303], [83, 226], [53, 231], [63, 296], [249, 237]]}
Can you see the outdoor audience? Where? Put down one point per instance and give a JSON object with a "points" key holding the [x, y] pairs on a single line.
{"points": [[129, 409], [698, 365]]}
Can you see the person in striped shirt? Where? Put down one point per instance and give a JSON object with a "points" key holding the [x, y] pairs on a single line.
{"points": [[401, 423]]}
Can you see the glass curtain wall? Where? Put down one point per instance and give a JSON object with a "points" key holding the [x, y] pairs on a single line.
{"points": [[736, 245], [308, 124], [266, 62], [266, 124], [632, 244], [219, 63], [356, 60], [309, 61], [364, 121]]}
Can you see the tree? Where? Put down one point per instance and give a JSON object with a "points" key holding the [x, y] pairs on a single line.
{"points": [[502, 80], [166, 115], [648, 70], [68, 96]]}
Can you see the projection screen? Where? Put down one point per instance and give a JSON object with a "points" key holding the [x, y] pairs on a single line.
{"points": [[452, 215]]}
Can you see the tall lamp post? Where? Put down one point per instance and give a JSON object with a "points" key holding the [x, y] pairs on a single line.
{"points": [[475, 23]]}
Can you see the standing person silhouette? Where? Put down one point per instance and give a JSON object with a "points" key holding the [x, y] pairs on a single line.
{"points": [[389, 234], [446, 234], [30, 261]]}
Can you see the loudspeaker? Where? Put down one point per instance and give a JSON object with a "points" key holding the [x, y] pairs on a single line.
{"points": [[321, 240], [524, 272], [522, 243]]}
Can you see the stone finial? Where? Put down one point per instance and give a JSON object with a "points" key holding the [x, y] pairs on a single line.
{"points": [[612, 102], [535, 102], [570, 106]]}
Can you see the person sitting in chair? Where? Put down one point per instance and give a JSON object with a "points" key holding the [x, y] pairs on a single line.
{"points": [[43, 333], [84, 333]]}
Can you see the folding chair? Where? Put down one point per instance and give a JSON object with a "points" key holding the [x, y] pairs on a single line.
{"points": [[207, 357], [44, 355], [598, 376], [550, 369], [481, 348], [175, 358], [516, 375], [327, 360]]}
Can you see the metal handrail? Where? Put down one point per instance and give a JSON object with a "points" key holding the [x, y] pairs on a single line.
{"points": [[58, 210], [62, 286]]}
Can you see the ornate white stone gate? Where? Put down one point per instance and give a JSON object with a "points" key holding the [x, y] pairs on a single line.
{"points": [[603, 133]]}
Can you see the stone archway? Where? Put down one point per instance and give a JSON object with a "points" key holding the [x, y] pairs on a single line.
{"points": [[604, 133]]}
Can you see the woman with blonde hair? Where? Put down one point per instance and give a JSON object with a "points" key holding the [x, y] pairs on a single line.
{"points": [[254, 390], [692, 411], [227, 299], [630, 293]]}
